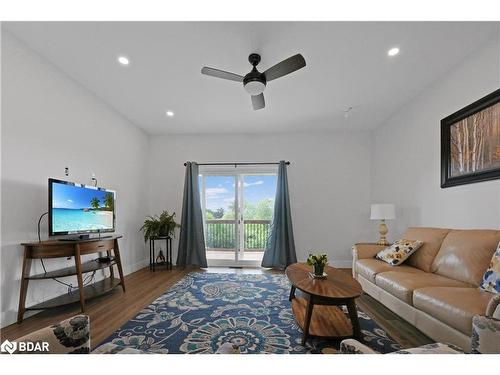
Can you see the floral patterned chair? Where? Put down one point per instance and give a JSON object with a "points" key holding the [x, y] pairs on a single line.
{"points": [[351, 346], [69, 336]]}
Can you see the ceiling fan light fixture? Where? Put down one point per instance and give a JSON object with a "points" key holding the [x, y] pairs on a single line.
{"points": [[123, 60], [255, 82], [393, 51], [255, 87]]}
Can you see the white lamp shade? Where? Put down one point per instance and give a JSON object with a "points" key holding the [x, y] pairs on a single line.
{"points": [[383, 211]]}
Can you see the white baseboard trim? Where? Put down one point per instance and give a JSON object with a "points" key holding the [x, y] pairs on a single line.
{"points": [[254, 264], [135, 266]]}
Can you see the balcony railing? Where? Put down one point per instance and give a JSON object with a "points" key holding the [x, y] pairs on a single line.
{"points": [[221, 234]]}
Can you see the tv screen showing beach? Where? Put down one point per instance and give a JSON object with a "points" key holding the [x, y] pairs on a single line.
{"points": [[79, 209]]}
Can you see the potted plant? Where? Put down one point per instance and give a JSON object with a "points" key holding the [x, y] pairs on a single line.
{"points": [[318, 261], [159, 226]]}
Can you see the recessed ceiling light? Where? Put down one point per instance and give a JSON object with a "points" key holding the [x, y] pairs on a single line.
{"points": [[123, 60], [170, 114], [393, 51]]}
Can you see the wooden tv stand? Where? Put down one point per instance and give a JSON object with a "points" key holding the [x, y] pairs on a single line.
{"points": [[64, 249]]}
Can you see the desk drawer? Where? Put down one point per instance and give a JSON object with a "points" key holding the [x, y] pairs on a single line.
{"points": [[96, 246], [51, 251]]}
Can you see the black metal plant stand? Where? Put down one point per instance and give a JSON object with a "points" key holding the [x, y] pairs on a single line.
{"points": [[168, 253]]}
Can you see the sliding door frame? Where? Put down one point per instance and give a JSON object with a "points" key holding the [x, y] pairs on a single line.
{"points": [[238, 173]]}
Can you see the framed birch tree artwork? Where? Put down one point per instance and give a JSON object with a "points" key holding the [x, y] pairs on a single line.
{"points": [[470, 143]]}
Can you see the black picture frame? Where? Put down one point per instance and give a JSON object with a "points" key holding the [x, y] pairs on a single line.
{"points": [[446, 179]]}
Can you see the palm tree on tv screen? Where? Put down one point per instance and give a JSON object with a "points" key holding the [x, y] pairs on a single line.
{"points": [[108, 201], [95, 203]]}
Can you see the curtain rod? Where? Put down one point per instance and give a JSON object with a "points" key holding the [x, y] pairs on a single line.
{"points": [[244, 163]]}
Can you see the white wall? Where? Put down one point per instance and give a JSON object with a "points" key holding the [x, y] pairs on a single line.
{"points": [[49, 122], [328, 177], [406, 153]]}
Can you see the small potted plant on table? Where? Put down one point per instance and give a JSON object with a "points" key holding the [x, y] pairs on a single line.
{"points": [[318, 261], [159, 226]]}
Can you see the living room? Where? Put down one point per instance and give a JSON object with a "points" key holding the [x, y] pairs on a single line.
{"points": [[151, 205]]}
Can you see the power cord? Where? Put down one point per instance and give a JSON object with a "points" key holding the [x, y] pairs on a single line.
{"points": [[88, 279], [39, 221]]}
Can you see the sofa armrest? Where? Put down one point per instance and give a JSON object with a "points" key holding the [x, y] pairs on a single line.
{"points": [[69, 336], [351, 346], [493, 308], [364, 251]]}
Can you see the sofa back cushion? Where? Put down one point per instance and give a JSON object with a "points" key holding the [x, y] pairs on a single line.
{"points": [[432, 239], [466, 254]]}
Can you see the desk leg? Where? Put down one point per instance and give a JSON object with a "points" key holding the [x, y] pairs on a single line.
{"points": [[24, 284], [167, 258], [116, 250], [150, 255], [353, 316], [154, 259], [307, 320], [292, 293], [78, 266], [111, 269], [169, 251]]}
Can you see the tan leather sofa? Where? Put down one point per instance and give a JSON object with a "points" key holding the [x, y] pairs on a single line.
{"points": [[436, 289]]}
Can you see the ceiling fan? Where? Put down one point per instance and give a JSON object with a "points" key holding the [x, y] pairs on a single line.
{"points": [[255, 81]]}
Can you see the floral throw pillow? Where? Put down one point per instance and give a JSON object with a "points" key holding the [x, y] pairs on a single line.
{"points": [[399, 251], [491, 278]]}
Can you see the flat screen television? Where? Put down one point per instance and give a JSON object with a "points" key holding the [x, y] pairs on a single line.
{"points": [[80, 209]]}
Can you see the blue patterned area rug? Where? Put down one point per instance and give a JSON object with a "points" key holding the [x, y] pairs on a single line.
{"points": [[205, 310]]}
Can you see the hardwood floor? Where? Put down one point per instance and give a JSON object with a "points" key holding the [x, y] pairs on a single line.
{"points": [[107, 312], [399, 329], [110, 311]]}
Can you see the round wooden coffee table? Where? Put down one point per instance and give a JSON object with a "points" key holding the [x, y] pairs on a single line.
{"points": [[317, 312]]}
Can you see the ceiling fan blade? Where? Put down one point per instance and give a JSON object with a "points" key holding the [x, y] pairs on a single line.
{"points": [[258, 101], [285, 67], [221, 74]]}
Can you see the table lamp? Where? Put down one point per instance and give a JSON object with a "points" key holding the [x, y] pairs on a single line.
{"points": [[383, 212]]}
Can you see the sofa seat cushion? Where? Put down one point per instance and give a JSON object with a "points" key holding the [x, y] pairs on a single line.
{"points": [[452, 306], [369, 268], [402, 284]]}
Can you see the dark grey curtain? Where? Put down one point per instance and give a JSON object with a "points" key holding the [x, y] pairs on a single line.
{"points": [[280, 247], [192, 239]]}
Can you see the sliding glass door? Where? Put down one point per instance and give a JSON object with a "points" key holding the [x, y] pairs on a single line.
{"points": [[237, 212]]}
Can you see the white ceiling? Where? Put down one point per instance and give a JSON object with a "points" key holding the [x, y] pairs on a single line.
{"points": [[347, 65]]}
